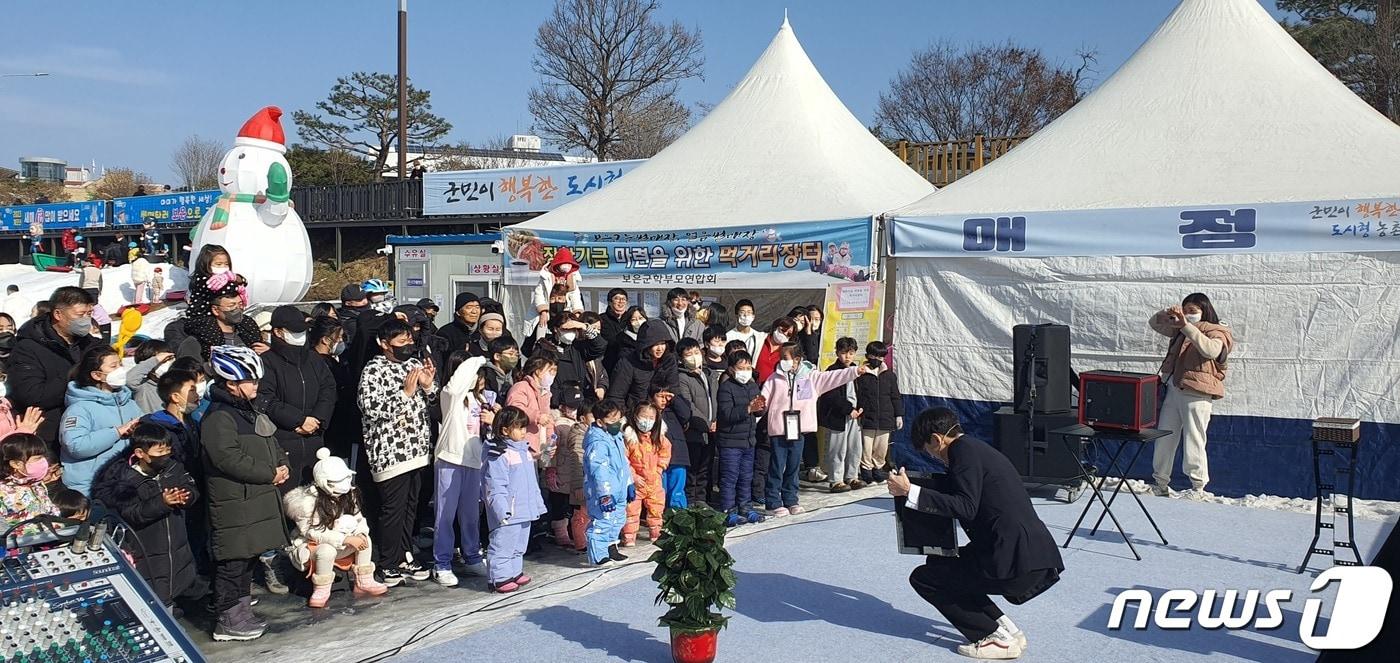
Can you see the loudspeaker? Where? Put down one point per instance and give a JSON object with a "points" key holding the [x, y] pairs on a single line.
{"points": [[1118, 400], [1050, 461], [1041, 357]]}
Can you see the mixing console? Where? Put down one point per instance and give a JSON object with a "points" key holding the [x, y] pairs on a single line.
{"points": [[61, 606]]}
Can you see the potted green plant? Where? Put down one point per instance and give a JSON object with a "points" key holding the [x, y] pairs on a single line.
{"points": [[695, 575]]}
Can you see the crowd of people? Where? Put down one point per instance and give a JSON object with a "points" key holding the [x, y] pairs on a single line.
{"points": [[304, 442]]}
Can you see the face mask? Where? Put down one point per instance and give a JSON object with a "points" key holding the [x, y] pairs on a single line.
{"points": [[694, 361], [591, 333], [645, 425], [509, 363], [162, 369], [489, 337], [547, 380], [787, 365], [743, 377], [404, 352], [117, 378], [202, 389], [716, 350], [158, 464], [568, 338], [637, 326], [615, 427], [375, 299], [680, 310], [4, 390], [874, 362], [218, 270], [745, 320], [338, 348], [294, 339], [338, 488], [780, 338], [263, 426], [80, 327], [36, 470], [1193, 318], [233, 317], [815, 325]]}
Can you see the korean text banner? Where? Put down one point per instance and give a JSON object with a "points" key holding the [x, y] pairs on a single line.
{"points": [[794, 255], [169, 208], [507, 190], [1353, 226], [39, 219]]}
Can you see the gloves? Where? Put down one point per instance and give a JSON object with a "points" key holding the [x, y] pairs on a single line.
{"points": [[632, 493], [606, 504]]}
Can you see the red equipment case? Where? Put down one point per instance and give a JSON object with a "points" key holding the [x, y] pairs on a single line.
{"points": [[1118, 400]]}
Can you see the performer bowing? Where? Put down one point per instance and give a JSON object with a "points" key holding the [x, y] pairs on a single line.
{"points": [[1010, 552]]}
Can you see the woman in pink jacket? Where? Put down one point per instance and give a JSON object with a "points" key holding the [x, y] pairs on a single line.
{"points": [[531, 394], [791, 393]]}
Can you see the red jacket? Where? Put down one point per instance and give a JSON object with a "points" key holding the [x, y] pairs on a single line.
{"points": [[767, 360]]}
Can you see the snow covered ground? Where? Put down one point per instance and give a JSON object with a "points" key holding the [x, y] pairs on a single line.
{"points": [[117, 290], [1362, 509]]}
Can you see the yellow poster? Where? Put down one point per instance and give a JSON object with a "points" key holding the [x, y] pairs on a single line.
{"points": [[852, 309]]}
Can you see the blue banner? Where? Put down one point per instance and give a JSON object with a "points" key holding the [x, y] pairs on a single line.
{"points": [[510, 190], [793, 255], [1358, 226], [170, 208], [40, 219]]}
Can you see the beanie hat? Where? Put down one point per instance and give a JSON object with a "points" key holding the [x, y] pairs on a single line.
{"points": [[328, 470], [491, 316], [464, 298]]}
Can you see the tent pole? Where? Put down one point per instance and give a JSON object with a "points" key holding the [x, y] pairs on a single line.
{"points": [[887, 274]]}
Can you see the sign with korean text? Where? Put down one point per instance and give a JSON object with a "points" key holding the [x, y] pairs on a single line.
{"points": [[794, 255], [414, 253], [1319, 226], [475, 268], [855, 310], [53, 216], [169, 208], [509, 190]]}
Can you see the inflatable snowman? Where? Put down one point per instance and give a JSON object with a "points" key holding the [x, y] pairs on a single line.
{"points": [[254, 218]]}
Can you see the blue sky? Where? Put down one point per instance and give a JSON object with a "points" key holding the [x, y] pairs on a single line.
{"points": [[130, 80]]}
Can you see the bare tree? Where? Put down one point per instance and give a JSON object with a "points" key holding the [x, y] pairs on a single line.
{"points": [[948, 93], [119, 183], [196, 161], [363, 118], [649, 129], [605, 62]]}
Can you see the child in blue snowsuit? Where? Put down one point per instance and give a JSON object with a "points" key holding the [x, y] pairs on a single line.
{"points": [[607, 482], [513, 500]]}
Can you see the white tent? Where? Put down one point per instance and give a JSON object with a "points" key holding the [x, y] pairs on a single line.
{"points": [[1221, 109], [780, 159]]}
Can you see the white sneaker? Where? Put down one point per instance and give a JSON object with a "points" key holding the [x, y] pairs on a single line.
{"points": [[1161, 491], [816, 475], [995, 647], [1197, 495], [779, 512], [478, 569], [445, 577]]}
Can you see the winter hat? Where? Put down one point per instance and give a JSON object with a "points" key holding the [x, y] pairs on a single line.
{"points": [[464, 298], [352, 293], [264, 130], [263, 320], [329, 470], [489, 317], [563, 262]]}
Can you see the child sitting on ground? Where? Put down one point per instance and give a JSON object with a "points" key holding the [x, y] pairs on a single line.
{"points": [[331, 526], [649, 453], [71, 504], [513, 500], [150, 490], [22, 492]]}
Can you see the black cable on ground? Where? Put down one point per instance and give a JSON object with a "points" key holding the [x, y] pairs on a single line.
{"points": [[598, 573]]}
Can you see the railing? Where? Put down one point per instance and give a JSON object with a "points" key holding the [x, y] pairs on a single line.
{"points": [[945, 162], [380, 201]]}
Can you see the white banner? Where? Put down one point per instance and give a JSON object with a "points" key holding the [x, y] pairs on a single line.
{"points": [[1325, 226], [509, 190]]}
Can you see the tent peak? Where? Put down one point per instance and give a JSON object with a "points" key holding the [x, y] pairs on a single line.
{"points": [[785, 25]]}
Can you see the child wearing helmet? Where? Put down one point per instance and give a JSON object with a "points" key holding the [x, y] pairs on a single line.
{"points": [[330, 525], [244, 464], [378, 293]]}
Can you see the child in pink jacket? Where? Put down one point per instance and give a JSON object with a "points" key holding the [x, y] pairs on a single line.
{"points": [[791, 393]]}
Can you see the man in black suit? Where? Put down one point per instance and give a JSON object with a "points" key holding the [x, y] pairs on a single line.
{"points": [[1010, 552]]}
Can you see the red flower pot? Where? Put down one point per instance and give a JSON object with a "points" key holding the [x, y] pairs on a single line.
{"points": [[694, 646]]}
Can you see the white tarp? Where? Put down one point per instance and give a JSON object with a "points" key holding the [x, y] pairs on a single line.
{"points": [[1219, 108]]}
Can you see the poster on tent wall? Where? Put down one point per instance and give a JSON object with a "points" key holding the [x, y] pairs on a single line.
{"points": [[1353, 226], [855, 310], [783, 255], [53, 216], [516, 190], [187, 207]]}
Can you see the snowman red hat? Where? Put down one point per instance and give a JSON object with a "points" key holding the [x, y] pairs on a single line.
{"points": [[264, 130]]}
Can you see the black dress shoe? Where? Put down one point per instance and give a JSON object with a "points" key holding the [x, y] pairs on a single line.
{"points": [[614, 554]]}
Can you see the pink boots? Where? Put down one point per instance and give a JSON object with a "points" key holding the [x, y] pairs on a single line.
{"points": [[365, 584]]}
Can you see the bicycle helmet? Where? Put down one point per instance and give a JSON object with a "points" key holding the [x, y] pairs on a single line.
{"points": [[374, 286], [235, 363]]}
